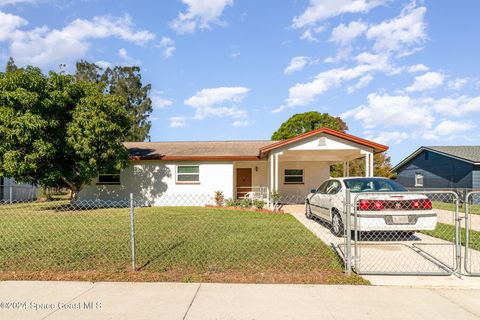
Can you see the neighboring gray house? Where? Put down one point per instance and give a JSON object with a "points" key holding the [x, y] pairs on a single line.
{"points": [[441, 167]]}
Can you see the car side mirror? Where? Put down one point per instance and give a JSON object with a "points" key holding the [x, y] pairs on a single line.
{"points": [[313, 190]]}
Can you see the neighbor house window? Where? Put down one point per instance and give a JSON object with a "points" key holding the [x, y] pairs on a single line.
{"points": [[418, 180], [293, 176], [188, 174], [109, 179]]}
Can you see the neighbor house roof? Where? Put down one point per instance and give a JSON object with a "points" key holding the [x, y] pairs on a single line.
{"points": [[469, 154], [228, 150]]}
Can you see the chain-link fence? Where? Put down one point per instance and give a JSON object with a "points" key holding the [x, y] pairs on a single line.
{"points": [[472, 234], [406, 232], [282, 239], [185, 238]]}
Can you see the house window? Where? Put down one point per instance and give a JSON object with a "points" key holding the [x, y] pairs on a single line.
{"points": [[418, 180], [109, 179], [188, 174], [293, 176]]}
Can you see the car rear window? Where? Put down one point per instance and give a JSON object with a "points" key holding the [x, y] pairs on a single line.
{"points": [[373, 185]]}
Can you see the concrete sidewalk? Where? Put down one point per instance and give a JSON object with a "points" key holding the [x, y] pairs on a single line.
{"points": [[111, 300]]}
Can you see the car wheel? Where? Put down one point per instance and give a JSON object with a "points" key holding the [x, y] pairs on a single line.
{"points": [[337, 224], [308, 210]]}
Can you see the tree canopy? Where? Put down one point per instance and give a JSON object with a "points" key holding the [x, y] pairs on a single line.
{"points": [[126, 82], [56, 130], [308, 121]]}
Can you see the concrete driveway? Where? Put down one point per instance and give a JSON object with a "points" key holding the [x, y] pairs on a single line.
{"points": [[103, 300], [417, 254]]}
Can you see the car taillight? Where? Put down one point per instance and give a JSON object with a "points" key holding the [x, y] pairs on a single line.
{"points": [[416, 204], [377, 205], [427, 204], [364, 204]]}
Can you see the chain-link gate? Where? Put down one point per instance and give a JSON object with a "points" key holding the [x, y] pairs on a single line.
{"points": [[472, 234], [411, 233]]}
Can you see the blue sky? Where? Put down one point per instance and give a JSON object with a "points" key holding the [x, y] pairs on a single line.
{"points": [[402, 73]]}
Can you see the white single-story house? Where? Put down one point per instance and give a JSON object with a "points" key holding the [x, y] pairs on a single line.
{"points": [[237, 168]]}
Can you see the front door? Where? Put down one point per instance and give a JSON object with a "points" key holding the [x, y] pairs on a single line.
{"points": [[244, 181]]}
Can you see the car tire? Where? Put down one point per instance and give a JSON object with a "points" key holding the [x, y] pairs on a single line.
{"points": [[308, 210], [337, 226]]}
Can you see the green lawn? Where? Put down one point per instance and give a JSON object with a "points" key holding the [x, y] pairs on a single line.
{"points": [[447, 232], [450, 206], [48, 241]]}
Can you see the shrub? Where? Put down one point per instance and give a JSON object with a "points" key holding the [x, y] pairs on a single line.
{"points": [[245, 203], [259, 204], [219, 198]]}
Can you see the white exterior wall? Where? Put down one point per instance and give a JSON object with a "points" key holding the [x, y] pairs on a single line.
{"points": [[154, 183], [314, 173]]}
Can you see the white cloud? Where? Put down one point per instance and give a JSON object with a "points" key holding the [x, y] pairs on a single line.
{"points": [[4, 3], [159, 102], [418, 68], [220, 102], [167, 45], [309, 34], [391, 111], [427, 81], [345, 34], [8, 24], [362, 83], [43, 46], [241, 123], [103, 64], [386, 137], [296, 64], [127, 60], [457, 83], [319, 10], [400, 33], [447, 129], [455, 106], [200, 14], [177, 122], [302, 94]]}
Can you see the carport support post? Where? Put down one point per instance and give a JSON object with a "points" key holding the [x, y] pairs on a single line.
{"points": [[348, 247], [132, 229]]}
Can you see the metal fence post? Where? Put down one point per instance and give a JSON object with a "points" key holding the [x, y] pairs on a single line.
{"points": [[458, 245], [348, 247], [132, 230], [11, 194]]}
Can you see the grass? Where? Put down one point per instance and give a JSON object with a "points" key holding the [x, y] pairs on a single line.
{"points": [[447, 232], [51, 241], [450, 206]]}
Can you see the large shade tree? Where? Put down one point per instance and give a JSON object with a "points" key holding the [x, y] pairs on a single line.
{"points": [[57, 131], [126, 82], [308, 121]]}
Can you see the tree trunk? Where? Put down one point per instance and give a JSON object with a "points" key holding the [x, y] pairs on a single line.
{"points": [[73, 188]]}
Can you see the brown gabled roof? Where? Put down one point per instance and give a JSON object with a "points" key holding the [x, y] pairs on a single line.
{"points": [[227, 150], [197, 150]]}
